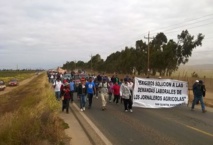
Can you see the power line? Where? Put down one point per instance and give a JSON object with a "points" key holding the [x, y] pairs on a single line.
{"points": [[189, 27], [187, 22], [154, 30]]}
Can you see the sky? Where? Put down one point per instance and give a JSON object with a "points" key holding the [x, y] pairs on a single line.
{"points": [[45, 34]]}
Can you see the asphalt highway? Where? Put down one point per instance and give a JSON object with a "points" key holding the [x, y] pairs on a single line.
{"points": [[177, 125]]}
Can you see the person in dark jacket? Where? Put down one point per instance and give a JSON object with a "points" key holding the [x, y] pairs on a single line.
{"points": [[198, 95], [81, 92], [203, 88], [66, 96]]}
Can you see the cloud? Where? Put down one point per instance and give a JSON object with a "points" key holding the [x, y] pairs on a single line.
{"points": [[44, 33]]}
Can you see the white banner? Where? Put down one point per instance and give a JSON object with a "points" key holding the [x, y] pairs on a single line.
{"points": [[159, 93]]}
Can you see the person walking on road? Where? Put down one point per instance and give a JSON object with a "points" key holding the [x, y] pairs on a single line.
{"points": [[91, 90], [120, 83], [111, 95], [198, 95], [116, 92], [96, 87], [57, 87], [66, 97], [72, 89], [81, 92], [103, 86], [126, 95]]}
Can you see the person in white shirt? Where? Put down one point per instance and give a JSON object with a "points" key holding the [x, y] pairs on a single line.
{"points": [[126, 95], [103, 86], [57, 87]]}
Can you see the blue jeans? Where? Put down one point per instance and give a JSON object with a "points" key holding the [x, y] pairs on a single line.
{"points": [[201, 102], [82, 100], [58, 95]]}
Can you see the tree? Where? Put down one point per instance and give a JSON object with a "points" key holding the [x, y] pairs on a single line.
{"points": [[165, 56]]}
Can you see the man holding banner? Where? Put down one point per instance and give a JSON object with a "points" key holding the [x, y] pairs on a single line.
{"points": [[159, 93]]}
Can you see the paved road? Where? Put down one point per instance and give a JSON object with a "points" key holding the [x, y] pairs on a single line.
{"points": [[178, 125]]}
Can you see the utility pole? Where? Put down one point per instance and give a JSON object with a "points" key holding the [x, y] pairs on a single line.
{"points": [[148, 53]]}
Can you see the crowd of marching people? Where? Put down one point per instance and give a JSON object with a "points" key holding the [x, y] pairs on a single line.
{"points": [[108, 89]]}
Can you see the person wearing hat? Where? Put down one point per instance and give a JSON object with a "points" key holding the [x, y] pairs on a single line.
{"points": [[103, 86], [81, 93], [126, 95], [65, 97], [198, 96]]}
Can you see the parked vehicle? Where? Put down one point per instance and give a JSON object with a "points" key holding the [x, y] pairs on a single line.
{"points": [[13, 82], [84, 76], [77, 78], [66, 77], [2, 85]]}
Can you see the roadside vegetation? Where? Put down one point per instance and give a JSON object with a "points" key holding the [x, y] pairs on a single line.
{"points": [[28, 115]]}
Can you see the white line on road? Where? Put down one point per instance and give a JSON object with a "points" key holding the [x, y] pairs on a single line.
{"points": [[101, 135]]}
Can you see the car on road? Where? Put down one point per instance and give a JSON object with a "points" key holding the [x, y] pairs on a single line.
{"points": [[2, 85], [77, 78], [86, 76], [66, 77], [13, 82]]}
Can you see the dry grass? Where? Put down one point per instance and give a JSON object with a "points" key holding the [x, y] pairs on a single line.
{"points": [[33, 118]]}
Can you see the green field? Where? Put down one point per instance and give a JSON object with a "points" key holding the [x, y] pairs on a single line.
{"points": [[19, 75]]}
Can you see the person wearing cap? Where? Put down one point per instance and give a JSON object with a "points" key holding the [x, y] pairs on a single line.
{"points": [[126, 95], [198, 95], [81, 93], [91, 90], [66, 97], [103, 86]]}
